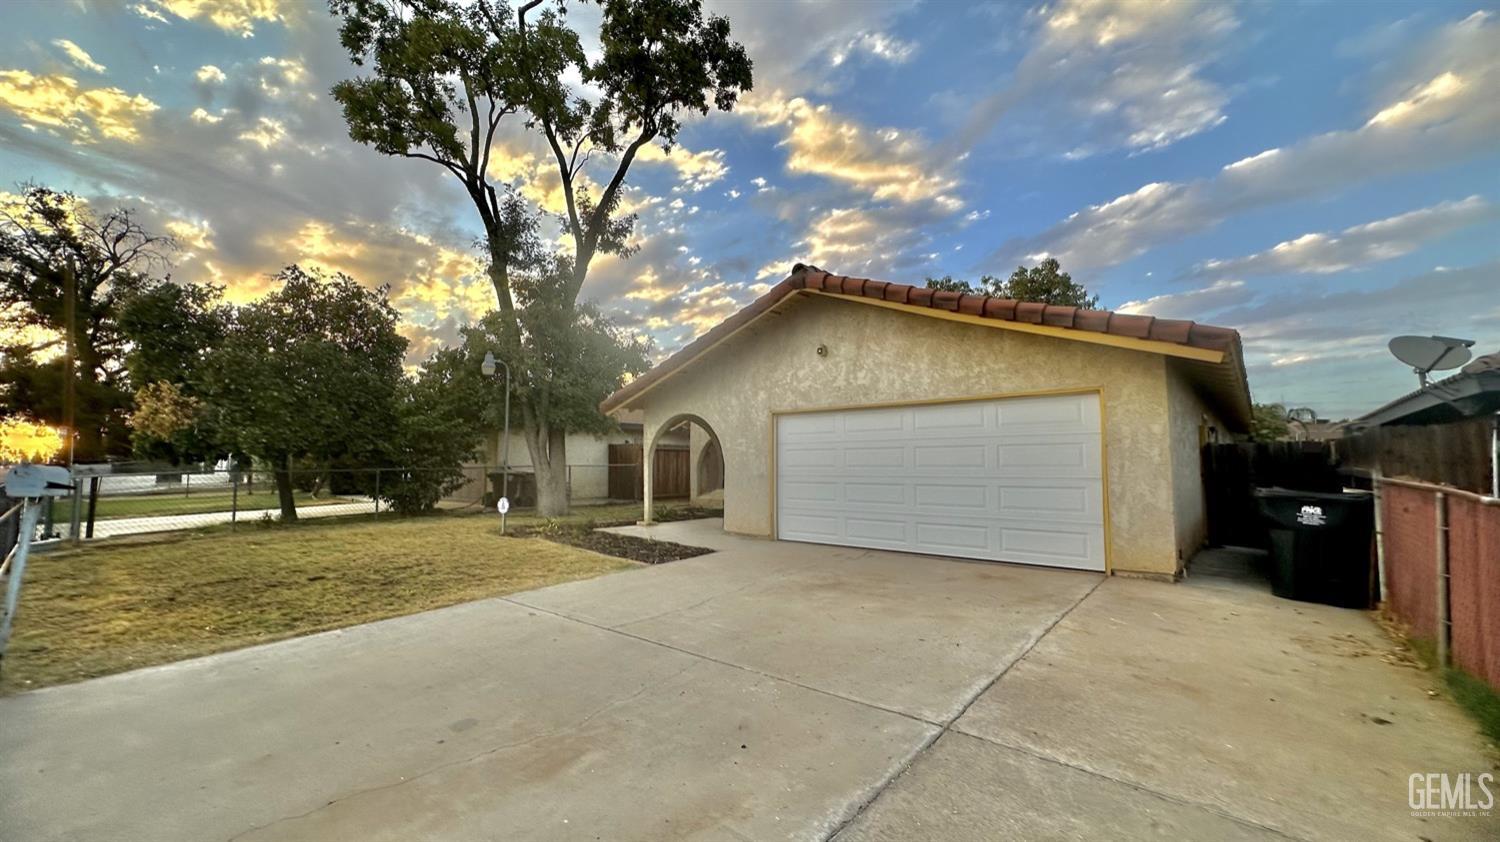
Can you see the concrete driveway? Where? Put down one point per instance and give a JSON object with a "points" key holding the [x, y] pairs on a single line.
{"points": [[766, 691]]}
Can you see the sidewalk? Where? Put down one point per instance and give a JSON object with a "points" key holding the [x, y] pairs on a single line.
{"points": [[168, 523]]}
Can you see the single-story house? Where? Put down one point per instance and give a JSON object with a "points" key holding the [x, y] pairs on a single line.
{"points": [[588, 456], [871, 414]]}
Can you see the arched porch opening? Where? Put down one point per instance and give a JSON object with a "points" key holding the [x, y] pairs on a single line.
{"points": [[709, 472], [655, 461]]}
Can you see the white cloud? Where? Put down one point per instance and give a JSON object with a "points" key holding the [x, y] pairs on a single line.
{"points": [[1193, 304], [790, 43], [1446, 111], [235, 16], [78, 55], [1328, 350], [878, 45], [695, 170], [59, 103], [266, 133], [887, 164], [210, 75], [1357, 246], [1108, 74]]}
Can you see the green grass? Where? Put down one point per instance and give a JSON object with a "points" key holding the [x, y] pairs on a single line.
{"points": [[158, 503], [1478, 699], [118, 605]]}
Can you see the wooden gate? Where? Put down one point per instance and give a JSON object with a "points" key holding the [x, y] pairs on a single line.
{"points": [[669, 472], [1232, 472]]}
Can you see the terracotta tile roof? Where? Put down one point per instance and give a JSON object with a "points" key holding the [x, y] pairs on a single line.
{"points": [[1176, 331]]}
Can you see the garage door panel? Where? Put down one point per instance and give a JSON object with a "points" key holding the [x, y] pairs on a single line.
{"points": [[877, 493], [813, 426], [801, 492], [950, 536], [820, 528], [951, 418], [1007, 480], [1081, 503], [892, 533], [949, 496], [864, 456], [1041, 545], [963, 457], [1048, 457], [1047, 414], [809, 459], [876, 421]]}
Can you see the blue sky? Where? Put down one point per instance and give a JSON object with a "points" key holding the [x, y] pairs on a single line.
{"points": [[1320, 176]]}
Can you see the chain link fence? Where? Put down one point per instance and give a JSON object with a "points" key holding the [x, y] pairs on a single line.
{"points": [[111, 501]]}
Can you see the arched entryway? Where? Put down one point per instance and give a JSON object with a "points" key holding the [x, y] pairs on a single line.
{"points": [[706, 463], [709, 472]]}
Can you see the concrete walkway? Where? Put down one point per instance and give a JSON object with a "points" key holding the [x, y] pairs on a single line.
{"points": [[113, 527], [766, 691]]}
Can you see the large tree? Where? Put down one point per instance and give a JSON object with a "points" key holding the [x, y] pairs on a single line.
{"points": [[448, 77], [1044, 282], [171, 328], [309, 373], [65, 271]]}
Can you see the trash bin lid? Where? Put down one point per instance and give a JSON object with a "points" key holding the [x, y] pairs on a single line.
{"points": [[1287, 508]]}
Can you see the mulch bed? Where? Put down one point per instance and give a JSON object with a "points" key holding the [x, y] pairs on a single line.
{"points": [[623, 546], [587, 536]]}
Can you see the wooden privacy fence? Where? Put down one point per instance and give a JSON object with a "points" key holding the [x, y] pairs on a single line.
{"points": [[1232, 472], [1440, 547], [1456, 454], [670, 475]]}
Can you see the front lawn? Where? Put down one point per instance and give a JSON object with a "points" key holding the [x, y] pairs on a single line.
{"points": [[115, 606]]}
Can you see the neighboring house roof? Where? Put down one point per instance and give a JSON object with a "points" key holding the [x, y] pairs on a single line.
{"points": [[1210, 353], [1473, 392]]}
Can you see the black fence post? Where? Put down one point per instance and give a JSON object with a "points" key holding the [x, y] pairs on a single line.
{"points": [[94, 483]]}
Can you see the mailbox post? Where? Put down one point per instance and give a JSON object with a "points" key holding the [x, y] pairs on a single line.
{"points": [[35, 486]]}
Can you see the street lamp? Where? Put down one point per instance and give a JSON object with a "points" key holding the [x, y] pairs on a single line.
{"points": [[488, 367]]}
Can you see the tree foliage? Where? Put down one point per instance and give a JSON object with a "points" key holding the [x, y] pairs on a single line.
{"points": [[1269, 422], [170, 425], [170, 328], [65, 271], [309, 372], [445, 76], [1044, 282]]}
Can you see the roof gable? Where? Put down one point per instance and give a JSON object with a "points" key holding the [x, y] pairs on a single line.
{"points": [[1203, 345]]}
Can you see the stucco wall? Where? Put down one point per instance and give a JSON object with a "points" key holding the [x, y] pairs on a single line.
{"points": [[588, 456], [877, 355], [1188, 415]]}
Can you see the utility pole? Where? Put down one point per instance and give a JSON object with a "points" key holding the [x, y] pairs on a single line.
{"points": [[70, 354]]}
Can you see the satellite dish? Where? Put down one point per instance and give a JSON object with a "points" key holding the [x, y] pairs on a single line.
{"points": [[1426, 354]]}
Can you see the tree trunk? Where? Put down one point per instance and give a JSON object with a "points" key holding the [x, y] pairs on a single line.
{"points": [[549, 458], [284, 492]]}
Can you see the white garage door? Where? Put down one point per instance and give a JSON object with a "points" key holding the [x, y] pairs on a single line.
{"points": [[1016, 479]]}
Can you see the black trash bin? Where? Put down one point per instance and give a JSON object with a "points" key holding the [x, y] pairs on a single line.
{"points": [[1320, 545]]}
